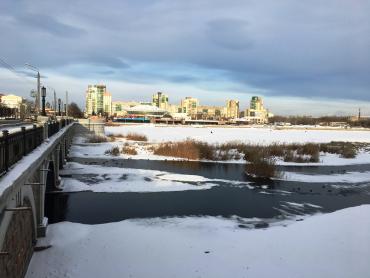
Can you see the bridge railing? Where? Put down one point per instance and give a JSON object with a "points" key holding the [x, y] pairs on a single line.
{"points": [[13, 146]]}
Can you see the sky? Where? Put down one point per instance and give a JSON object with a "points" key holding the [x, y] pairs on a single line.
{"points": [[303, 57]]}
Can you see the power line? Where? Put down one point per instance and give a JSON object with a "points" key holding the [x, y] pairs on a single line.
{"points": [[9, 67]]}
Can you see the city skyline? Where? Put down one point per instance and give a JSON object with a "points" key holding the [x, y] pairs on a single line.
{"points": [[302, 58]]}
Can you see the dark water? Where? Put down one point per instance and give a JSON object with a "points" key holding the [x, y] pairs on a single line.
{"points": [[227, 200], [213, 170]]}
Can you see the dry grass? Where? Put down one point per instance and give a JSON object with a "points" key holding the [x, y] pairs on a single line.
{"points": [[96, 139], [129, 150], [298, 153], [136, 137], [195, 150], [186, 149], [110, 123], [344, 149]]}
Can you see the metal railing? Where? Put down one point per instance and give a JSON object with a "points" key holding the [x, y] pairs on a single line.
{"points": [[13, 146]]}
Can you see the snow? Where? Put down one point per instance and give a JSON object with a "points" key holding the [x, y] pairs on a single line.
{"points": [[18, 169], [14, 128], [329, 159], [329, 245], [254, 135], [114, 179], [251, 135], [348, 177]]}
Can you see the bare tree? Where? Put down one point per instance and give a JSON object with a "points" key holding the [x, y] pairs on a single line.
{"points": [[74, 111]]}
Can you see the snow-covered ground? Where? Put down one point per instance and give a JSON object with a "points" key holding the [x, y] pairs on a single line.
{"points": [[81, 149], [244, 134], [98, 178], [331, 245]]}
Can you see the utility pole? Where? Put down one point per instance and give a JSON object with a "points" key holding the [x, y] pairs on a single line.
{"points": [[55, 104], [38, 93], [66, 103]]}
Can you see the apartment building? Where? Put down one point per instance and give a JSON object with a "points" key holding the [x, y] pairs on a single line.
{"points": [[98, 101], [160, 100], [232, 109]]}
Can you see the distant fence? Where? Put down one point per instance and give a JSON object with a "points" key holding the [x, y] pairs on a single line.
{"points": [[93, 125], [15, 145]]}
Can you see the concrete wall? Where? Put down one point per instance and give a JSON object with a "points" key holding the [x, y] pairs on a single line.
{"points": [[18, 243]]}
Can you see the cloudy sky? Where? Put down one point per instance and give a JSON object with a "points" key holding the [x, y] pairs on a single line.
{"points": [[310, 57]]}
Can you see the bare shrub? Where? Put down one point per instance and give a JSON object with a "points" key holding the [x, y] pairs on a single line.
{"points": [[289, 156], [315, 157], [206, 151], [344, 149], [262, 165], [253, 153], [309, 149], [276, 149], [136, 137], [349, 151], [113, 151], [97, 139], [129, 150]]}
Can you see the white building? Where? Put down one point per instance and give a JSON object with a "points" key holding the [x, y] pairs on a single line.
{"points": [[98, 101], [12, 101]]}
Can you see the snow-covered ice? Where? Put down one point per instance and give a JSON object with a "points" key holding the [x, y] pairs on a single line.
{"points": [[98, 178], [348, 177], [244, 134], [330, 245]]}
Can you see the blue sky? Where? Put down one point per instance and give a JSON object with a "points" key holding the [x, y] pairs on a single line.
{"points": [[303, 57]]}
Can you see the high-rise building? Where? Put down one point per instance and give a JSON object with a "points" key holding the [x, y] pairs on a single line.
{"points": [[98, 100], [256, 103], [160, 100], [232, 109], [256, 112], [189, 105], [107, 103]]}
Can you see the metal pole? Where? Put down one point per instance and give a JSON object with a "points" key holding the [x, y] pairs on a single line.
{"points": [[38, 93], [67, 103], [59, 103], [43, 113], [55, 104]]}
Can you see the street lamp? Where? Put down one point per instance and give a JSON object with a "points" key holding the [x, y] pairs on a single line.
{"points": [[43, 95], [59, 103], [65, 109]]}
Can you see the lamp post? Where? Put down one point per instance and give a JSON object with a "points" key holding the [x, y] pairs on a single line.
{"points": [[59, 103], [43, 95], [65, 109]]}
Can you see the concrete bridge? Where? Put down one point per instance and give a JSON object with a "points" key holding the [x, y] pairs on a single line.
{"points": [[30, 159]]}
